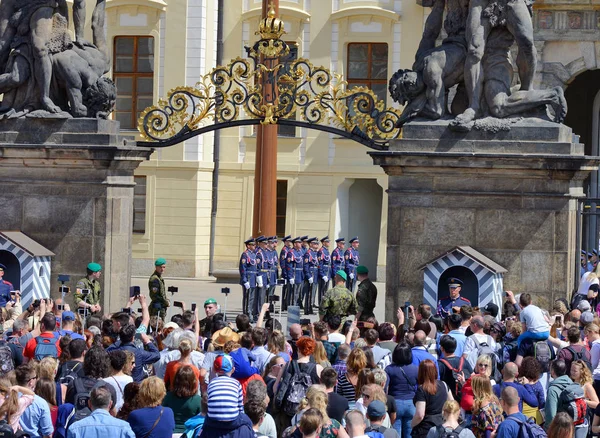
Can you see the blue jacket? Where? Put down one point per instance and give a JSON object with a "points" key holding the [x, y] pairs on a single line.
{"points": [[337, 261], [352, 260], [311, 265], [294, 264], [5, 288], [262, 265], [142, 357], [241, 427], [243, 369], [526, 393], [324, 262], [248, 268], [282, 261]]}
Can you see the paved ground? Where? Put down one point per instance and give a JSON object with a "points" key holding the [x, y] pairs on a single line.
{"points": [[199, 290]]}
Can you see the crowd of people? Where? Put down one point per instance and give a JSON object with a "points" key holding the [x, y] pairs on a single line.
{"points": [[456, 371]]}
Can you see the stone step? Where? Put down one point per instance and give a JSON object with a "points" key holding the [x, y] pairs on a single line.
{"points": [[486, 146]]}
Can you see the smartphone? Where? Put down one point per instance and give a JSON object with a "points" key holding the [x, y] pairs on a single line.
{"points": [[63, 278], [193, 306], [177, 304], [172, 289], [64, 289], [280, 281], [126, 310], [134, 291], [559, 319], [225, 290], [274, 298], [60, 307], [360, 324], [139, 310], [304, 321]]}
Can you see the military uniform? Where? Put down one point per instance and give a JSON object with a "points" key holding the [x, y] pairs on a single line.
{"points": [[262, 278], [324, 268], [273, 263], [283, 254], [248, 273], [338, 301], [5, 288], [158, 296], [337, 259], [295, 272], [446, 304], [311, 272], [352, 260], [93, 298], [366, 297]]}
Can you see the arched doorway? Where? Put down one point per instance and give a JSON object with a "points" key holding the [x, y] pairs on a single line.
{"points": [[13, 268], [470, 288]]}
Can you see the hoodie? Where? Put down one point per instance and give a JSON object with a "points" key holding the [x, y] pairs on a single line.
{"points": [[556, 387]]}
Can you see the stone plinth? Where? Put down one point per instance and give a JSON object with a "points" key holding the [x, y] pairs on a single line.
{"points": [[68, 184], [509, 195]]}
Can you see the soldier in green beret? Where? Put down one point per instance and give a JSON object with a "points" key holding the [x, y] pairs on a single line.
{"points": [[210, 308], [339, 300], [158, 292], [91, 300], [366, 295]]}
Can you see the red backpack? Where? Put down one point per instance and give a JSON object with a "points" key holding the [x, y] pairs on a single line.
{"points": [[467, 396]]}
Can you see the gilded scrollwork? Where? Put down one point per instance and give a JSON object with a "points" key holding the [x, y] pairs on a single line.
{"points": [[301, 92]]}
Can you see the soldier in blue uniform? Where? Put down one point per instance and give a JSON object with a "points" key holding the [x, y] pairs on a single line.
{"points": [[324, 267], [311, 272], [5, 287], [294, 265], [283, 254], [352, 260], [589, 265], [248, 272], [454, 301], [337, 257], [262, 278], [273, 265], [583, 263], [305, 246]]}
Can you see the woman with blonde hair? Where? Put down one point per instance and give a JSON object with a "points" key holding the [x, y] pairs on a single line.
{"points": [[316, 398], [47, 369], [320, 355], [348, 381], [151, 419], [581, 374], [12, 405], [185, 347], [276, 345], [487, 412], [368, 394], [483, 367], [451, 414]]}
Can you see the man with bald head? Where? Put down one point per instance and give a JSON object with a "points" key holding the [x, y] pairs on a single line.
{"points": [[420, 352], [477, 340], [510, 372], [355, 424], [295, 334], [510, 427]]}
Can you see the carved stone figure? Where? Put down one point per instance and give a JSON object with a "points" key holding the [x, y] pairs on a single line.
{"points": [[475, 57], [44, 73]]}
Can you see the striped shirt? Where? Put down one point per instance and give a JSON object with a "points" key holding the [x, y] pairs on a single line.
{"points": [[225, 398]]}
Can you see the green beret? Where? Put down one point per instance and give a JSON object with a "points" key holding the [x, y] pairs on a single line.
{"points": [[160, 261], [210, 301], [362, 270], [94, 267], [342, 274]]}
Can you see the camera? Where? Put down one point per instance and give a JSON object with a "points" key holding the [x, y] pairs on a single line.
{"points": [[134, 291], [60, 307], [280, 281], [304, 321], [85, 292], [274, 298], [177, 304], [172, 289], [64, 289], [193, 306], [63, 278], [225, 290], [36, 303]]}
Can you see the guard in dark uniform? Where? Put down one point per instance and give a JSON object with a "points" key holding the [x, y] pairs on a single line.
{"points": [[262, 278], [583, 262], [454, 301], [337, 257], [273, 263], [158, 292], [305, 246], [311, 272], [294, 264], [283, 254], [5, 287], [324, 267], [352, 260], [248, 272]]}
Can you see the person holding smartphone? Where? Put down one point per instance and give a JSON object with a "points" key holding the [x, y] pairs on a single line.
{"points": [[92, 284]]}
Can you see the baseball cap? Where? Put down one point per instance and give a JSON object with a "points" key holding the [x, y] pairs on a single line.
{"points": [[223, 364], [492, 309], [584, 306], [68, 316], [376, 409], [587, 318]]}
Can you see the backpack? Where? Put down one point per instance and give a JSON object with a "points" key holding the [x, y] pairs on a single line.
{"points": [[578, 355], [293, 388], [67, 374], [374, 434], [46, 347], [572, 401], [455, 373], [83, 387], [484, 348], [466, 396], [529, 429], [442, 433], [541, 351], [7, 364]]}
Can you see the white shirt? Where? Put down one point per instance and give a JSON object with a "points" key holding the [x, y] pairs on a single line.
{"points": [[586, 282], [336, 337], [534, 319], [471, 346], [119, 383]]}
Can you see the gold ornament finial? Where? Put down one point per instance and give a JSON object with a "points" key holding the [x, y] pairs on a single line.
{"points": [[270, 27]]}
